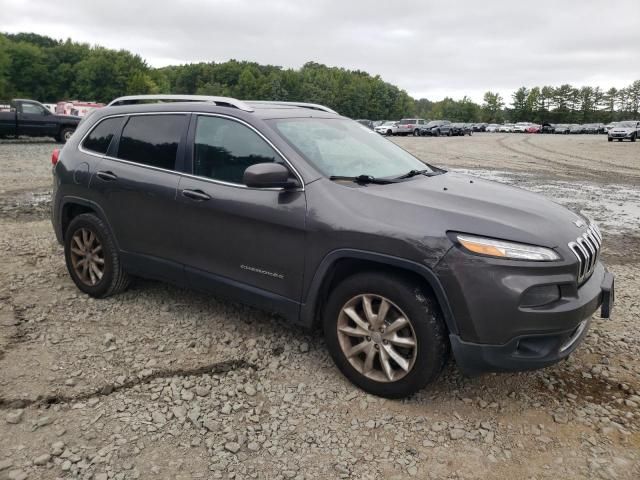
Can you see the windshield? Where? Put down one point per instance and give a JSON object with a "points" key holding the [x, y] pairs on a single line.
{"points": [[390, 124], [341, 147], [626, 124]]}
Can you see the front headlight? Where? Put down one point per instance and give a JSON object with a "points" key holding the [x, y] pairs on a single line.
{"points": [[507, 250]]}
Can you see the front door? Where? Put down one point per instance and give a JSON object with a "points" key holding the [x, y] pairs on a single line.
{"points": [[232, 236], [35, 120]]}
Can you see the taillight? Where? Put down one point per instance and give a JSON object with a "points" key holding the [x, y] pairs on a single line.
{"points": [[54, 156]]}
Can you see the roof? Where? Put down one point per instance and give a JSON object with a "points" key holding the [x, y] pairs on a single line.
{"points": [[259, 109], [246, 106]]}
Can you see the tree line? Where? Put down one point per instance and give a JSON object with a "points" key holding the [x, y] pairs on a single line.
{"points": [[49, 70]]}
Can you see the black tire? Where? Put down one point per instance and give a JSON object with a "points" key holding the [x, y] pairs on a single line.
{"points": [[437, 133], [389, 132], [65, 135], [114, 279], [610, 139], [426, 320], [449, 133], [633, 137]]}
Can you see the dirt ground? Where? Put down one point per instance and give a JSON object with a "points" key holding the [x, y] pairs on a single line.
{"points": [[159, 382]]}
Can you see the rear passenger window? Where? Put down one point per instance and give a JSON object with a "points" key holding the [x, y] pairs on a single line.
{"points": [[100, 137], [225, 148], [152, 140]]}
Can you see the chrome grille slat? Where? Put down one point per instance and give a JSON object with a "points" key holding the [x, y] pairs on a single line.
{"points": [[586, 248]]}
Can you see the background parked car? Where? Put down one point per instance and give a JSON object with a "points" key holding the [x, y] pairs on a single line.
{"points": [[593, 128], [436, 128], [521, 127], [562, 128], [387, 128], [366, 123], [576, 128], [479, 127], [457, 129], [627, 130], [506, 128], [492, 127], [32, 119], [533, 128], [410, 126], [547, 127], [609, 126]]}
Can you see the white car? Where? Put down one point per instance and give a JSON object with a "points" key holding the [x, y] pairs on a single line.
{"points": [[521, 127], [492, 127], [387, 128], [507, 128]]}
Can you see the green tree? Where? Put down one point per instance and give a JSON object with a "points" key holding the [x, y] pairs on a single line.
{"points": [[519, 104], [492, 107], [5, 61]]}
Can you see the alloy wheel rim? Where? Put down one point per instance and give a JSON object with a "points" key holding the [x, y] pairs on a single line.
{"points": [[87, 256], [377, 338]]}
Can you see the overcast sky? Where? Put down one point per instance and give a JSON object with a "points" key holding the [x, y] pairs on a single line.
{"points": [[431, 49]]}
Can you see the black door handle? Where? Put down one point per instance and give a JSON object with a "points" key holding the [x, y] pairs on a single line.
{"points": [[107, 176], [197, 195]]}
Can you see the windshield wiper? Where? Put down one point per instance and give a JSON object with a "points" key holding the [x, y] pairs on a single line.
{"points": [[365, 179], [413, 173]]}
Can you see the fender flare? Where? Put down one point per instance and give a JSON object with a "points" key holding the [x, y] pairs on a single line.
{"points": [[67, 199], [309, 307]]}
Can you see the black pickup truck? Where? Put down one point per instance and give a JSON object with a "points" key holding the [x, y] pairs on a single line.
{"points": [[32, 119]]}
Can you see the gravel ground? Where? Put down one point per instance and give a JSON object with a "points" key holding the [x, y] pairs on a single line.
{"points": [[164, 383]]}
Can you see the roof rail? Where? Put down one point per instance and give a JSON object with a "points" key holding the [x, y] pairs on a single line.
{"points": [[312, 106], [222, 101]]}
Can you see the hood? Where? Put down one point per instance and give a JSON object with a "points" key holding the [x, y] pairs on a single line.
{"points": [[462, 203], [622, 129]]}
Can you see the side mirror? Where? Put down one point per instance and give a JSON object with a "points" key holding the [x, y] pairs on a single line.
{"points": [[269, 175]]}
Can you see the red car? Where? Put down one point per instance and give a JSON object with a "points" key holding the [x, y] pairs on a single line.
{"points": [[533, 129]]}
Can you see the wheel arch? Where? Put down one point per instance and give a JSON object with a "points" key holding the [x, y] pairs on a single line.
{"points": [[71, 207], [342, 263]]}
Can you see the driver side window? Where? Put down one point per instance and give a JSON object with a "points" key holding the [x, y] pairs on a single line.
{"points": [[225, 148], [32, 109]]}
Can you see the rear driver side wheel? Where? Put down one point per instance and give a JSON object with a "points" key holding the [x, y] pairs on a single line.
{"points": [[385, 334], [92, 258]]}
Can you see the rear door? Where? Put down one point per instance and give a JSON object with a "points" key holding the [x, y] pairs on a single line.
{"points": [[231, 234], [136, 184]]}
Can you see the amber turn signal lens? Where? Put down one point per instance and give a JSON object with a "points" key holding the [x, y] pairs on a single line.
{"points": [[482, 249]]}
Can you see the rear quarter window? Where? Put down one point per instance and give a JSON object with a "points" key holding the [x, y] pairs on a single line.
{"points": [[100, 138], [152, 140]]}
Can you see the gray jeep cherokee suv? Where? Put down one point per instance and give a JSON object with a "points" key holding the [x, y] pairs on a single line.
{"points": [[294, 209]]}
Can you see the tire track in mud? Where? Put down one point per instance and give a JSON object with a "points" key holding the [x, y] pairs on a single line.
{"points": [[109, 388], [527, 140], [591, 172]]}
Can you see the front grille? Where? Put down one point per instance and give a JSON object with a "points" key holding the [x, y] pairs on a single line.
{"points": [[586, 248]]}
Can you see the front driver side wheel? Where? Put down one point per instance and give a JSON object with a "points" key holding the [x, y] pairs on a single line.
{"points": [[385, 334]]}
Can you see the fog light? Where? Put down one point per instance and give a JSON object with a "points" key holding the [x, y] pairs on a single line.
{"points": [[540, 295]]}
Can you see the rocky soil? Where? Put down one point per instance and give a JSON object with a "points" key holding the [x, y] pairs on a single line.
{"points": [[160, 382]]}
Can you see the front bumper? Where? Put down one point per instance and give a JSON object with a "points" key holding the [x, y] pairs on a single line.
{"points": [[537, 350]]}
